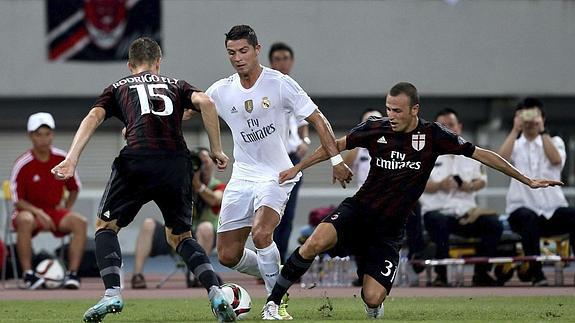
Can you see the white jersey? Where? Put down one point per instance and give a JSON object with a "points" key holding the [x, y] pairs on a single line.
{"points": [[455, 201], [293, 136], [361, 165], [258, 118], [529, 157]]}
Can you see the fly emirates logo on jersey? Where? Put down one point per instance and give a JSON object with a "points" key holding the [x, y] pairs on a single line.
{"points": [[397, 162], [259, 133]]}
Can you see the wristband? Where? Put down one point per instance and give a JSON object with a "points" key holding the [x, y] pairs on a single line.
{"points": [[202, 188], [307, 140], [336, 160]]}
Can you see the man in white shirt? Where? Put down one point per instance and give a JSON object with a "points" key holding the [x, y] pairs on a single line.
{"points": [[281, 59], [256, 103], [536, 213], [448, 206], [358, 158]]}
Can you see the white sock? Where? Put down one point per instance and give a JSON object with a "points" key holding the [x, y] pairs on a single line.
{"points": [[114, 291], [269, 264], [248, 264]]}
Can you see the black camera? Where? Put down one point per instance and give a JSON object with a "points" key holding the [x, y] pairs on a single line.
{"points": [[458, 180]]}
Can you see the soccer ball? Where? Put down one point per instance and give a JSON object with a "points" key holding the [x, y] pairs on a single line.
{"points": [[238, 298], [53, 273]]}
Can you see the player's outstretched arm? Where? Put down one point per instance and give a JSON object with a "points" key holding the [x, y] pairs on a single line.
{"points": [[66, 168], [497, 162], [212, 125], [341, 172], [319, 155]]}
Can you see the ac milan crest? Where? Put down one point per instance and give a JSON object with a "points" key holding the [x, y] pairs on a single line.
{"points": [[418, 141]]}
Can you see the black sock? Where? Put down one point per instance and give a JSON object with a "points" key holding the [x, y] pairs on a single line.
{"points": [[108, 257], [293, 269], [198, 263]]}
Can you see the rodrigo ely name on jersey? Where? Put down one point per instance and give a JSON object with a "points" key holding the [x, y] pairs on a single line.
{"points": [[146, 78]]}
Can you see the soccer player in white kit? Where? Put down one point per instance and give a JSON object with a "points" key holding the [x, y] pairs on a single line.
{"points": [[256, 103]]}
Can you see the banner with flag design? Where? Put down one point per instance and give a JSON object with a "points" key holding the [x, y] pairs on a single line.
{"points": [[99, 30]]}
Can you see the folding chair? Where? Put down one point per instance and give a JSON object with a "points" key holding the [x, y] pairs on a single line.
{"points": [[179, 265], [8, 238]]}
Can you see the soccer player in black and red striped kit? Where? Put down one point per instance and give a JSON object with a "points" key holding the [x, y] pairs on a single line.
{"points": [[154, 166], [403, 150]]}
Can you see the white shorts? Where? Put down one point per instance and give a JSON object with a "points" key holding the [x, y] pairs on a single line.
{"points": [[242, 198]]}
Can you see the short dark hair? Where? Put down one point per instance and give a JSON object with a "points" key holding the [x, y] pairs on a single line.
{"points": [[531, 102], [144, 50], [242, 32], [277, 47], [408, 89], [446, 112]]}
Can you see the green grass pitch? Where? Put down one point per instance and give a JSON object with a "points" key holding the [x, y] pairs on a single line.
{"points": [[460, 309]]}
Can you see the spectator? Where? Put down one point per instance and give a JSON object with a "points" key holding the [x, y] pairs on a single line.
{"points": [[536, 213], [281, 58], [448, 206], [151, 239], [358, 159], [41, 204]]}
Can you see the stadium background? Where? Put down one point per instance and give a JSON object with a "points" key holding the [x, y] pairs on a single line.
{"points": [[478, 57]]}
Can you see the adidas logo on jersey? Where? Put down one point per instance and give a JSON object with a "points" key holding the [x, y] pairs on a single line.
{"points": [[234, 110], [382, 140]]}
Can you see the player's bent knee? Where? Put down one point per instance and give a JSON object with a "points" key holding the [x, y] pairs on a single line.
{"points": [[373, 297], [175, 239], [262, 239], [110, 225], [313, 246], [228, 258]]}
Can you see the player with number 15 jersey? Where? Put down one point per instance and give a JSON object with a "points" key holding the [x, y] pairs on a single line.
{"points": [[151, 107], [154, 166]]}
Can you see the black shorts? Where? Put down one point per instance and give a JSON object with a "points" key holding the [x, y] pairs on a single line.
{"points": [[165, 179], [370, 239]]}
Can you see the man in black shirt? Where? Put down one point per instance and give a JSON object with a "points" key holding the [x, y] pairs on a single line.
{"points": [[403, 150], [154, 166]]}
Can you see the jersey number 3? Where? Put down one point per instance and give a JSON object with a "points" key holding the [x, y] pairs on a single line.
{"points": [[145, 103]]}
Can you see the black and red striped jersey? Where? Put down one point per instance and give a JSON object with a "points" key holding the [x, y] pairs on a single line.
{"points": [[151, 107], [400, 163]]}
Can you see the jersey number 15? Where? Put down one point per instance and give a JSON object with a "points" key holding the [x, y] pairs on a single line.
{"points": [[145, 103]]}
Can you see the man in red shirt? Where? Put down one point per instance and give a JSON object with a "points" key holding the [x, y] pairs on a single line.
{"points": [[38, 198]]}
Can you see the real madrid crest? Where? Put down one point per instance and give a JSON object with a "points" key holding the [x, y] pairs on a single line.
{"points": [[266, 102], [249, 105]]}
